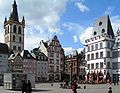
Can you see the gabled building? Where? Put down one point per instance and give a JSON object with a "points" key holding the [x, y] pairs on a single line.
{"points": [[29, 63], [15, 63], [116, 57], [55, 53], [75, 65], [4, 52], [14, 31], [72, 63], [99, 48], [42, 65]]}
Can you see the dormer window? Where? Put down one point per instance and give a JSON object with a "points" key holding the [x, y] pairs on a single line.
{"points": [[95, 33], [28, 55], [100, 23], [103, 30]]}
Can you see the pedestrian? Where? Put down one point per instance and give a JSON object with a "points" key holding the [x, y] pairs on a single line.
{"points": [[110, 81], [24, 87], [73, 87], [84, 86], [51, 84], [110, 90], [29, 88], [117, 81], [114, 81]]}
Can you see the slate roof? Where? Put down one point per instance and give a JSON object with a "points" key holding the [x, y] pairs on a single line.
{"points": [[36, 53], [13, 56], [26, 55], [4, 48], [103, 25]]}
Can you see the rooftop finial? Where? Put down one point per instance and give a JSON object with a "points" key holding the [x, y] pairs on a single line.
{"points": [[14, 13], [118, 29], [5, 20], [23, 20], [118, 32], [14, 4]]}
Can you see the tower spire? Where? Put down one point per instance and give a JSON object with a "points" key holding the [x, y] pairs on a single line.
{"points": [[23, 21], [5, 20], [14, 13]]}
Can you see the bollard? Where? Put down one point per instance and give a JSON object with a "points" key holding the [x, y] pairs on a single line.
{"points": [[110, 90], [85, 87]]}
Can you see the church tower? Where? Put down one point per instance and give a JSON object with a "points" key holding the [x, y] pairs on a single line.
{"points": [[14, 30]]}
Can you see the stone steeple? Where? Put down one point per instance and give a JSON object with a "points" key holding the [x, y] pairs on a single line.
{"points": [[14, 31], [23, 21], [14, 12]]}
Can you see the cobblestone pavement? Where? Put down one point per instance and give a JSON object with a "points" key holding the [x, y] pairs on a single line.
{"points": [[47, 88]]}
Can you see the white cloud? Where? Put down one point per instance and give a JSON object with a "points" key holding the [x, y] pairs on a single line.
{"points": [[42, 18], [75, 38], [109, 10], [75, 30], [115, 22], [69, 50], [74, 27], [46, 13], [1, 36], [86, 34], [81, 7]]}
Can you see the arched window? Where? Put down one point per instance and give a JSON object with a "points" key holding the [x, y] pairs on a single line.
{"points": [[20, 39], [14, 47], [8, 28], [13, 37], [14, 28], [19, 29], [19, 48]]}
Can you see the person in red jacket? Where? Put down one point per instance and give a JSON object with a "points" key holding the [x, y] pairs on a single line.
{"points": [[73, 87]]}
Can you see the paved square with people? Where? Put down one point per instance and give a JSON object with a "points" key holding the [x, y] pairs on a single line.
{"points": [[47, 88]]}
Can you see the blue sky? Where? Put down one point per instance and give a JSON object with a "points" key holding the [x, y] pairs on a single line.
{"points": [[71, 20]]}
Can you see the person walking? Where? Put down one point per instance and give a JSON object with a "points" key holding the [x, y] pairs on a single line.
{"points": [[117, 81], [24, 87], [29, 88], [76, 87], [73, 87], [114, 81], [110, 90]]}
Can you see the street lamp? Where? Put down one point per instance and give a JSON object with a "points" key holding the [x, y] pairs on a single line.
{"points": [[70, 75]]}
